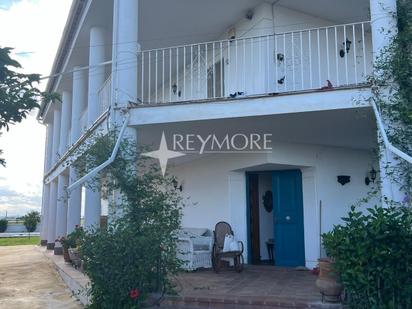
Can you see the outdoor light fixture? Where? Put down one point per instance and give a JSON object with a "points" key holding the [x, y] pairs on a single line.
{"points": [[343, 179], [346, 46], [372, 175], [249, 14], [176, 185]]}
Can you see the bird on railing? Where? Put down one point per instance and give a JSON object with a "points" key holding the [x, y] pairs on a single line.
{"points": [[328, 87]]}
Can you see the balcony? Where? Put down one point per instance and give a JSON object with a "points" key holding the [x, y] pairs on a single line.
{"points": [[303, 60]]}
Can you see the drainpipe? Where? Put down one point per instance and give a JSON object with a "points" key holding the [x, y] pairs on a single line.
{"points": [[109, 161], [385, 139]]}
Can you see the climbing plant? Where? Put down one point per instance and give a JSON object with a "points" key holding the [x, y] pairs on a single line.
{"points": [[135, 256], [392, 93]]}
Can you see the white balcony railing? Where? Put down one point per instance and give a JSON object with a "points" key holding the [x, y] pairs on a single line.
{"points": [[292, 61]]}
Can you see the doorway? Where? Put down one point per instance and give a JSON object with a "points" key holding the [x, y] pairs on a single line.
{"points": [[275, 218]]}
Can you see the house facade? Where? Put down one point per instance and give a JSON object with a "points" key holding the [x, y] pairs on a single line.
{"points": [[263, 105]]}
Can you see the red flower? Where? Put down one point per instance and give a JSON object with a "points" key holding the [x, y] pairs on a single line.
{"points": [[134, 294]]}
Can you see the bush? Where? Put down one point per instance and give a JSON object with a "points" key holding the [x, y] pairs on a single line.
{"points": [[374, 257], [3, 225], [136, 254], [31, 220]]}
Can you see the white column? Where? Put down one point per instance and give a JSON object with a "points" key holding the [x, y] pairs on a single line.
{"points": [[51, 226], [46, 187], [384, 28], [61, 210], [96, 73], [92, 209], [79, 100], [124, 74], [125, 51], [51, 232]]}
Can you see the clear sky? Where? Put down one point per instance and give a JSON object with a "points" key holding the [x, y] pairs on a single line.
{"points": [[33, 28]]}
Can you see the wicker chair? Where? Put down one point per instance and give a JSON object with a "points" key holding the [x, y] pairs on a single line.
{"points": [[194, 248], [221, 230]]}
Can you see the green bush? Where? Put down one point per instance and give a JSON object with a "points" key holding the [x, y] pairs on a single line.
{"points": [[373, 254], [136, 254], [3, 225], [31, 220]]}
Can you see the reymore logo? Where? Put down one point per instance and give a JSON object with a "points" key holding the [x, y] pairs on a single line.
{"points": [[183, 144]]}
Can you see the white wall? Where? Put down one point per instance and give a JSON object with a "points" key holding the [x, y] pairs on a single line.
{"points": [[216, 185]]}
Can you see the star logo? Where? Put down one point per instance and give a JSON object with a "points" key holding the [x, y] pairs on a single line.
{"points": [[163, 154]]}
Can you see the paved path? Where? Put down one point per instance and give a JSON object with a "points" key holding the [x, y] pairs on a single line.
{"points": [[28, 280]]}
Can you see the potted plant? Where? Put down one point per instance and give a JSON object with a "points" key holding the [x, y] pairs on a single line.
{"points": [[67, 243], [72, 243], [328, 280]]}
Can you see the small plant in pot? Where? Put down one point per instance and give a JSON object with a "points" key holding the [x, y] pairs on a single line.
{"points": [[72, 242], [67, 243]]}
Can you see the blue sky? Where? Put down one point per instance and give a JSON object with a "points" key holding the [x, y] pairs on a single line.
{"points": [[35, 47]]}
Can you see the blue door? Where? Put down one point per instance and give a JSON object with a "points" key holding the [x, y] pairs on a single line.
{"points": [[288, 218]]}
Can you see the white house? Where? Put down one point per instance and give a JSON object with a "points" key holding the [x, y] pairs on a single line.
{"points": [[237, 74]]}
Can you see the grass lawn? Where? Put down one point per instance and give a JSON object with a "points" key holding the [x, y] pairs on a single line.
{"points": [[17, 241]]}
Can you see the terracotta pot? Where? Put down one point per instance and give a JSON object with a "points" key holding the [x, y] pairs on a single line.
{"points": [[66, 255], [327, 283]]}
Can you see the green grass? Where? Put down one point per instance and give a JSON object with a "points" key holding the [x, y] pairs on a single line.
{"points": [[18, 241]]}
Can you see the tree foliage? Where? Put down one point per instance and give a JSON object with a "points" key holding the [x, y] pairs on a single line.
{"points": [[136, 254], [31, 220], [18, 92], [3, 225]]}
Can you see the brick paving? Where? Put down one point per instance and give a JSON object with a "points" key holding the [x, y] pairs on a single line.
{"points": [[255, 287]]}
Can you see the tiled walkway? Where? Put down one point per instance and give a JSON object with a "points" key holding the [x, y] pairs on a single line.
{"points": [[256, 286]]}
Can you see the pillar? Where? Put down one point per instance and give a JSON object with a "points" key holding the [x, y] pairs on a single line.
{"points": [[384, 28], [79, 99], [51, 225], [46, 187], [92, 209], [124, 75], [61, 211]]}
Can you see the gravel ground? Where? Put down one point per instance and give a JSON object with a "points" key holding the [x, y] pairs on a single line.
{"points": [[28, 280]]}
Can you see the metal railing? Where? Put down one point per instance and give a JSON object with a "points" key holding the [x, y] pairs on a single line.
{"points": [[291, 61]]}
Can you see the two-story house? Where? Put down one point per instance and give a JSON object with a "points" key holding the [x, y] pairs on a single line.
{"points": [[234, 73]]}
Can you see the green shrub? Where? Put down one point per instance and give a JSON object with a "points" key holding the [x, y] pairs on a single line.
{"points": [[3, 225], [136, 254], [373, 254]]}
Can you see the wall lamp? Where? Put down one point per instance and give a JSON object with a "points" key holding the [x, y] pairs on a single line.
{"points": [[372, 175], [176, 185]]}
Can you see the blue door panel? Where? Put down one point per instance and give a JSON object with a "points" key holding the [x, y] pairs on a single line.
{"points": [[288, 218]]}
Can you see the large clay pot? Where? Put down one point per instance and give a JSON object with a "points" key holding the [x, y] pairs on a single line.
{"points": [[327, 283]]}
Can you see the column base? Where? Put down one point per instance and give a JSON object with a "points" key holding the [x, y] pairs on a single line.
{"points": [[58, 250], [50, 245], [43, 242]]}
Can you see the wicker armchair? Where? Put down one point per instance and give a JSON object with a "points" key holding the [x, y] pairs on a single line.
{"points": [[221, 230], [194, 248]]}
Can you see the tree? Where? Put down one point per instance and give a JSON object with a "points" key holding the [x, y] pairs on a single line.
{"points": [[18, 92], [31, 220]]}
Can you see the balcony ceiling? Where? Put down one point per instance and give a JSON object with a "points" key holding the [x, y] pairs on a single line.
{"points": [[334, 10]]}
